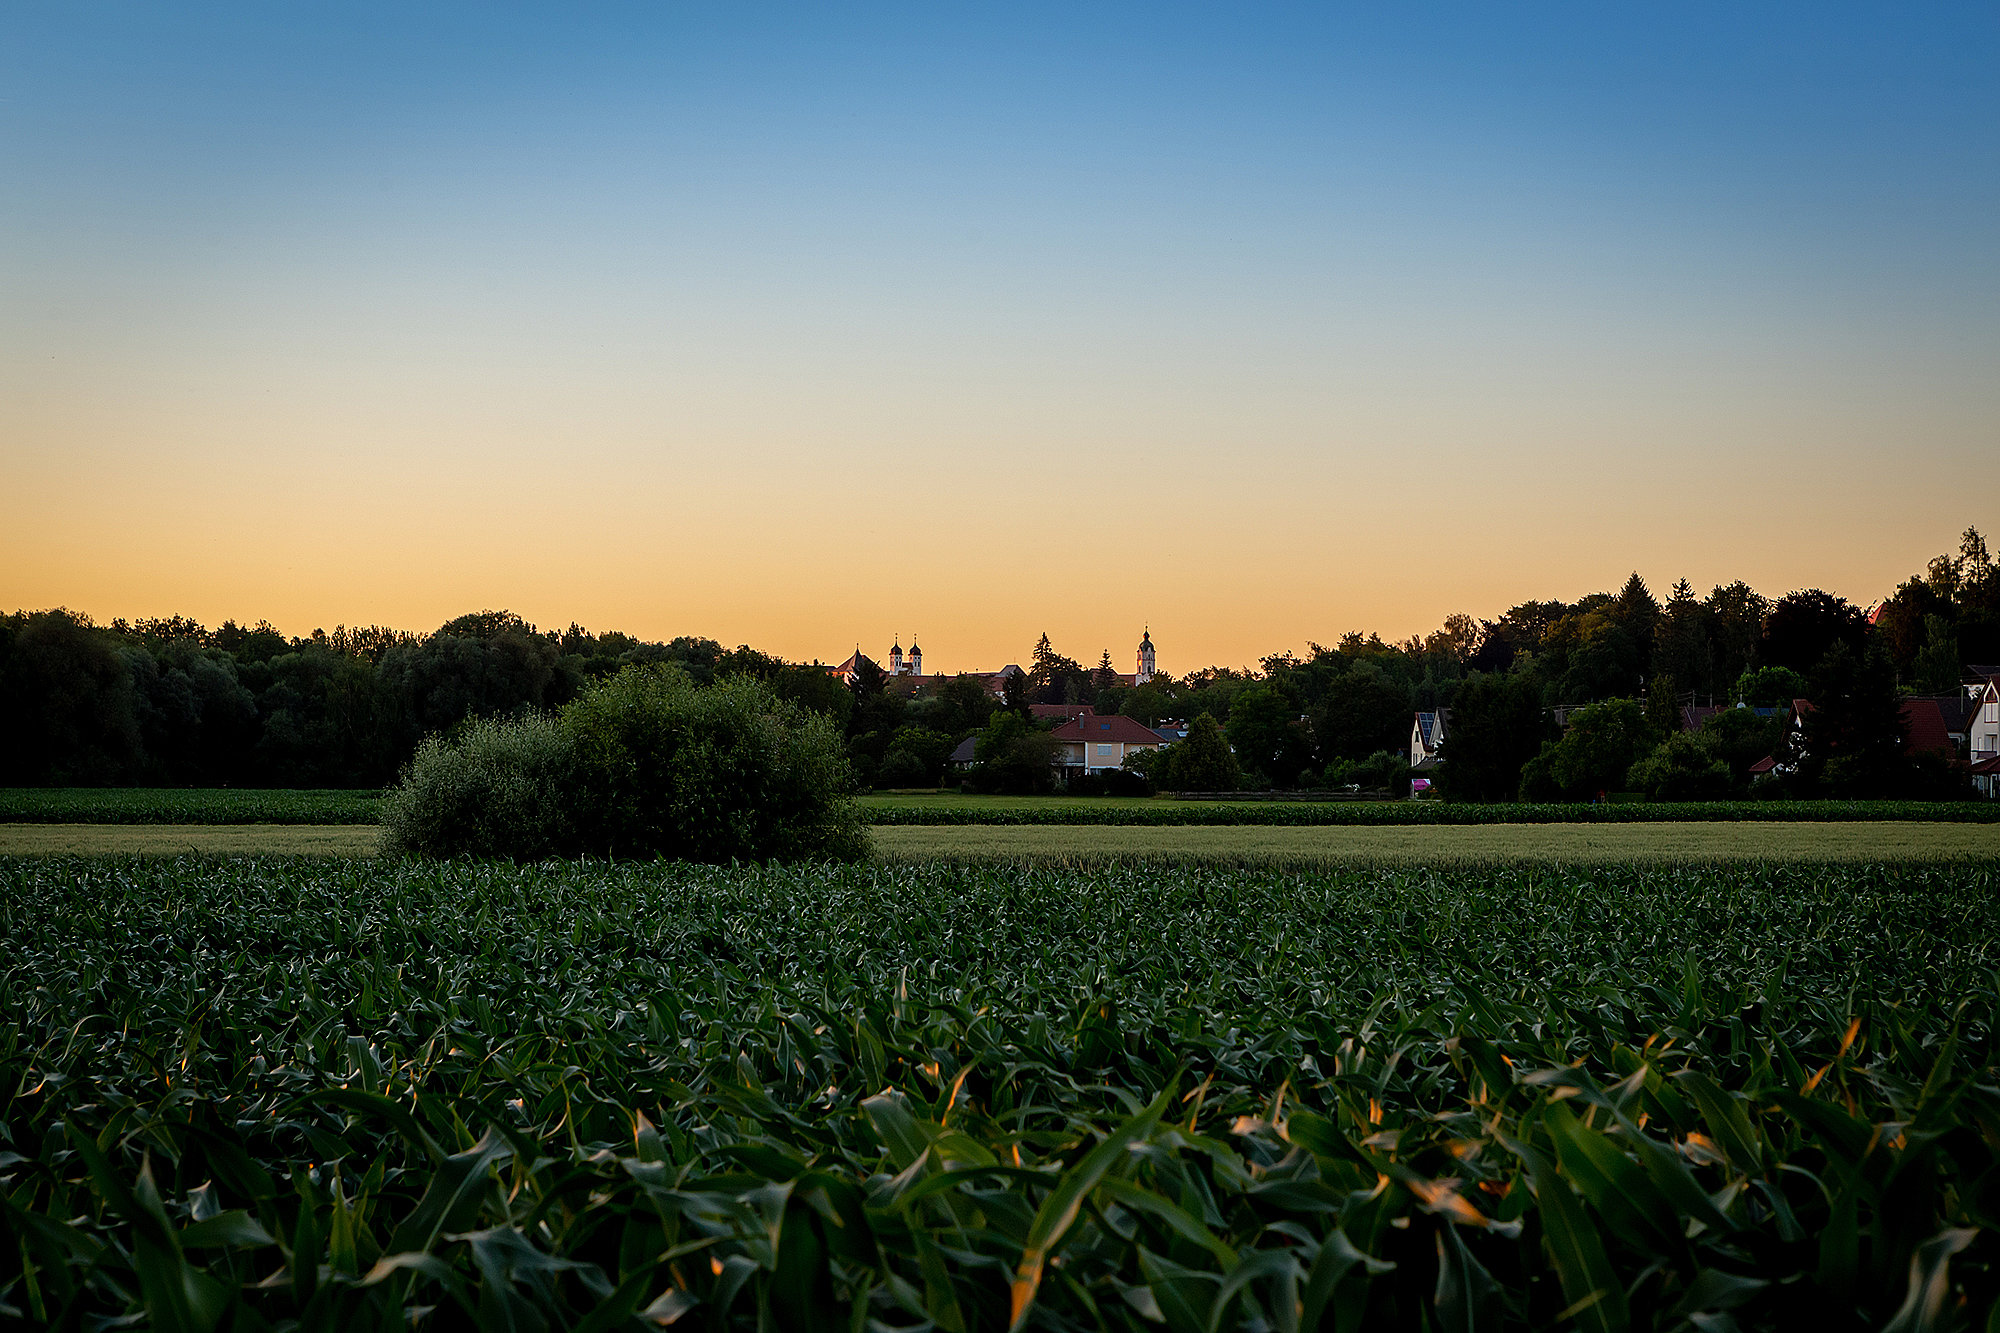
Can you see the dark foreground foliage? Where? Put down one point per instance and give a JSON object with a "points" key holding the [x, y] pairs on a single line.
{"points": [[338, 1095]]}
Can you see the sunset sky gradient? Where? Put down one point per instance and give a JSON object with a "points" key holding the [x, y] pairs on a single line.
{"points": [[808, 325]]}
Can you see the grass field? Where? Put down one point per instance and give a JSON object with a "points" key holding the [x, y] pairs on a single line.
{"points": [[953, 808], [149, 839], [345, 1094], [1252, 844], [114, 805], [1558, 842]]}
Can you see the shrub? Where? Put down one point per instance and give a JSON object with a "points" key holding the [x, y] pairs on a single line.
{"points": [[647, 764], [1385, 770], [722, 773], [1683, 767], [500, 788]]}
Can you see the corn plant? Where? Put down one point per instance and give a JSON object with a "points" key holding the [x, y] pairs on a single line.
{"points": [[348, 1095]]}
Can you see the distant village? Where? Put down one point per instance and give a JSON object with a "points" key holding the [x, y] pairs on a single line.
{"points": [[905, 672], [1087, 744], [1961, 727]]}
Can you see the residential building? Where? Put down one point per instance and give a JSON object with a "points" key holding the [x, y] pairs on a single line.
{"points": [[1093, 744], [1427, 737], [1982, 726]]}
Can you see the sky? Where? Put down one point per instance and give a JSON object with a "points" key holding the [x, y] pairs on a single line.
{"points": [[814, 326]]}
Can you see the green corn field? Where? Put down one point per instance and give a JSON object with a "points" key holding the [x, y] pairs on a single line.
{"points": [[332, 1095]]}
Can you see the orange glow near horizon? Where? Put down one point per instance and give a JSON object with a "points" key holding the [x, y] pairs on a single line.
{"points": [[810, 330]]}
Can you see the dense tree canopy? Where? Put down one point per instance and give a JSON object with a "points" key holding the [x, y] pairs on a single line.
{"points": [[168, 701]]}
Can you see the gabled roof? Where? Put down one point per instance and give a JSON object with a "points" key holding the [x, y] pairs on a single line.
{"points": [[967, 751], [853, 664], [1427, 729], [1924, 728], [1955, 709], [1116, 727]]}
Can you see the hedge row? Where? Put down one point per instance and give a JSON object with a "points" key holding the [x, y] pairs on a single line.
{"points": [[186, 805]]}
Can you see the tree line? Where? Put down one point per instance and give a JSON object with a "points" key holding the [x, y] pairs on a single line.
{"points": [[170, 702]]}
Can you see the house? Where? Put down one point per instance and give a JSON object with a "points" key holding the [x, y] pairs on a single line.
{"points": [[1171, 729], [1925, 730], [1982, 723], [1932, 724], [1940, 723], [1092, 744], [1427, 737], [966, 755]]}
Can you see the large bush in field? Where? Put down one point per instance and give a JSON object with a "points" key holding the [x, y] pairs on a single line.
{"points": [[496, 789], [720, 773], [647, 764]]}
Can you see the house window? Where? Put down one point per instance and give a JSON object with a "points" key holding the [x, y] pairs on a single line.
{"points": [[1992, 711], [1104, 751]]}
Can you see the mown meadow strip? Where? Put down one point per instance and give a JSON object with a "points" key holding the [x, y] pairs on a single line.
{"points": [[161, 805], [348, 1095], [1164, 811]]}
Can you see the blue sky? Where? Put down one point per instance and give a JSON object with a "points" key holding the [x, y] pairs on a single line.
{"points": [[1316, 318]]}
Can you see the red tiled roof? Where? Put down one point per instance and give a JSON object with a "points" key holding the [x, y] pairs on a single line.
{"points": [[1064, 711], [1113, 728], [1924, 728], [1764, 765]]}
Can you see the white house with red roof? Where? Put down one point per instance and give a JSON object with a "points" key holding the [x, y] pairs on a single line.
{"points": [[1093, 744]]}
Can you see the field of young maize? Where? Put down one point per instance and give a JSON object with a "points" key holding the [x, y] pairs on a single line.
{"points": [[187, 805], [343, 1094]]}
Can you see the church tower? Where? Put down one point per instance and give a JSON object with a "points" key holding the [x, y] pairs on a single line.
{"points": [[1145, 672], [916, 658], [896, 658]]}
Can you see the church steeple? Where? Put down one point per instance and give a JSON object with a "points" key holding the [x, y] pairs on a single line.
{"points": [[896, 657], [1145, 672], [916, 657]]}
